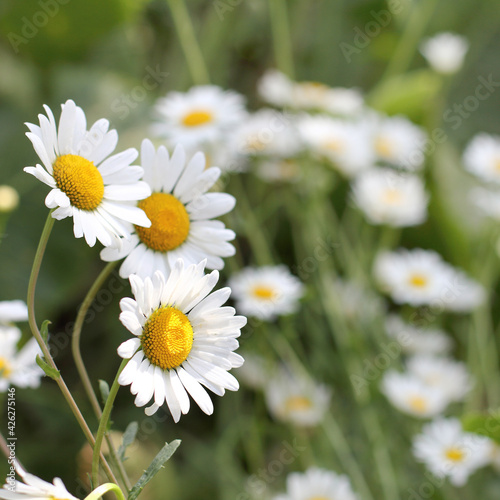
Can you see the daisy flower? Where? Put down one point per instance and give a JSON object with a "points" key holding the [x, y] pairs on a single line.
{"points": [[387, 197], [317, 483], [181, 213], [415, 340], [482, 157], [184, 340], [35, 488], [487, 200], [412, 396], [18, 368], [96, 189], [450, 377], [266, 292], [200, 115], [445, 52], [297, 399], [12, 311], [346, 145], [448, 451], [398, 142]]}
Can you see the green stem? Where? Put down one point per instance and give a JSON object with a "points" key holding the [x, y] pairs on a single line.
{"points": [[189, 43], [281, 37], [103, 424], [104, 488], [82, 371], [37, 262]]}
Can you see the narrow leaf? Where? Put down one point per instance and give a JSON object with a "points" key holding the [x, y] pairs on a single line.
{"points": [[49, 371], [44, 330], [165, 453], [482, 424], [128, 439], [104, 390]]}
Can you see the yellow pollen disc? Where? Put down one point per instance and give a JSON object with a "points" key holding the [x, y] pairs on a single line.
{"points": [[392, 196], [264, 292], [333, 145], [197, 118], [497, 164], [254, 144], [418, 404], [167, 338], [80, 180], [313, 87], [5, 369], [418, 280], [455, 454], [169, 222], [383, 147], [298, 403]]}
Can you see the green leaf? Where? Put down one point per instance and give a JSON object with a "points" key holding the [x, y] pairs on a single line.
{"points": [[165, 453], [44, 330], [484, 425], [104, 390], [49, 371], [128, 439]]}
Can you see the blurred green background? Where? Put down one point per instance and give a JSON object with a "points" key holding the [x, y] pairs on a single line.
{"points": [[98, 54]]}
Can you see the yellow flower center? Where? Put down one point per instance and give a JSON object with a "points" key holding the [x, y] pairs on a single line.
{"points": [[264, 292], [5, 369], [319, 498], [392, 196], [418, 404], [298, 403], [455, 454], [418, 280], [197, 118], [80, 180], [254, 144], [167, 338], [333, 145], [169, 222], [383, 147]]}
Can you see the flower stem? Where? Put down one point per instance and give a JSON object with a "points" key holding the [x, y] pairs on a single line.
{"points": [[189, 43], [80, 365], [281, 37], [103, 424], [104, 488], [46, 353]]}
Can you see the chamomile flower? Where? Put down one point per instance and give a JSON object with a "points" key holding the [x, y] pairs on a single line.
{"points": [[86, 183], [316, 484], [448, 451], [346, 145], [296, 399], [201, 115], [482, 157], [35, 488], [487, 201], [266, 292], [450, 377], [416, 340], [181, 213], [184, 340], [18, 368], [412, 396], [464, 294], [415, 277], [12, 311], [387, 197], [445, 52], [398, 142]]}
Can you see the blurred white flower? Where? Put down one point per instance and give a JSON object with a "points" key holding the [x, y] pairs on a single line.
{"points": [[487, 200], [448, 451], [18, 368], [296, 399], [9, 199], [200, 115], [411, 395], [279, 170], [12, 311], [255, 371], [450, 377], [266, 292], [482, 157], [445, 52], [415, 340], [317, 484], [389, 197], [346, 145]]}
